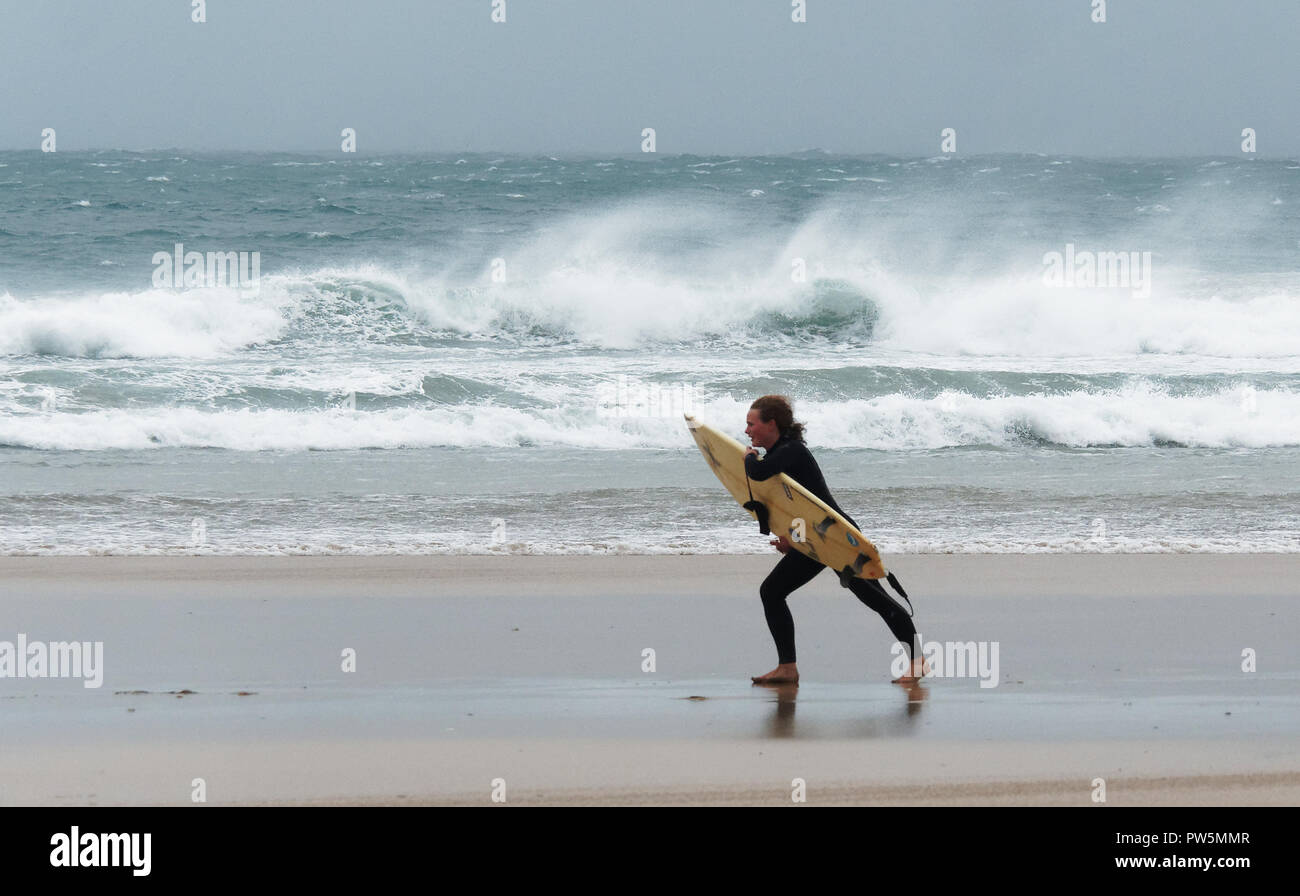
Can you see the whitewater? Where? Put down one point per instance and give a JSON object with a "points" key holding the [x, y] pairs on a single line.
{"points": [[433, 341]]}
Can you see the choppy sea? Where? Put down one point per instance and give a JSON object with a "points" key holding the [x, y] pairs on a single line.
{"points": [[486, 354]]}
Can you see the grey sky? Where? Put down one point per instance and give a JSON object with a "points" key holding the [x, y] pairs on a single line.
{"points": [[1160, 77]]}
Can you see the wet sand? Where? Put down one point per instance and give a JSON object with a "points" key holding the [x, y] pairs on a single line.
{"points": [[532, 671]]}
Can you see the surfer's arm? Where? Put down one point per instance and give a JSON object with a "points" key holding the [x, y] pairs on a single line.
{"points": [[776, 461]]}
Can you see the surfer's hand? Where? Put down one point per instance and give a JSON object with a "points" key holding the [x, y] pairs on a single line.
{"points": [[780, 543], [752, 450]]}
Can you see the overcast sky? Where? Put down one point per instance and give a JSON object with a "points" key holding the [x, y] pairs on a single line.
{"points": [[1159, 77]]}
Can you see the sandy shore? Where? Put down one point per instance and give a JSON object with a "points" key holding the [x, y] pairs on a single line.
{"points": [[531, 672]]}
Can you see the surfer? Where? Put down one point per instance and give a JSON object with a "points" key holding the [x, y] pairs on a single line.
{"points": [[770, 424]]}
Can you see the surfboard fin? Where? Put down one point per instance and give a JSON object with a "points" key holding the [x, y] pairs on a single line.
{"points": [[847, 574]]}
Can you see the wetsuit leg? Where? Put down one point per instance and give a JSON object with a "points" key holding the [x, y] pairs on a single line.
{"points": [[877, 598], [794, 571]]}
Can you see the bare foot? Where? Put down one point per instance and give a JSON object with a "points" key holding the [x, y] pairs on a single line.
{"points": [[920, 668], [786, 673]]}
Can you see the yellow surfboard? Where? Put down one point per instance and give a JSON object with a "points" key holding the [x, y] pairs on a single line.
{"points": [[792, 510]]}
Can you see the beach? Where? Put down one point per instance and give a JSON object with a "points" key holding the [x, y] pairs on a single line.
{"points": [[624, 680], [348, 384]]}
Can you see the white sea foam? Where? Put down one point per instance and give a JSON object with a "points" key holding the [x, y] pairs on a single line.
{"points": [[1136, 415], [148, 324], [589, 285], [649, 272], [1024, 318]]}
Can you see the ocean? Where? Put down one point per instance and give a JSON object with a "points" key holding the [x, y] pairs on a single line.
{"points": [[492, 354]]}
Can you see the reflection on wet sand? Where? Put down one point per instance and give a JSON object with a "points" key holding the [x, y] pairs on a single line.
{"points": [[781, 723]]}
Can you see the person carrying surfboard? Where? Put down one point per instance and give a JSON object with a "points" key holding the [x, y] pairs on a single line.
{"points": [[770, 425]]}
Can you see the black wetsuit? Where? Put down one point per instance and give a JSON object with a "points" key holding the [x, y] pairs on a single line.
{"points": [[792, 457]]}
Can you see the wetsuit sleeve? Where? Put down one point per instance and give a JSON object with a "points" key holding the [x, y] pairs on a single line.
{"points": [[778, 460]]}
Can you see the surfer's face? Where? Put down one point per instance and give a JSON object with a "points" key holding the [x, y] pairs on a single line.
{"points": [[761, 435]]}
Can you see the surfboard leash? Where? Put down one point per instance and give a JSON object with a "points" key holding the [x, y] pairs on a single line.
{"points": [[848, 574], [898, 586]]}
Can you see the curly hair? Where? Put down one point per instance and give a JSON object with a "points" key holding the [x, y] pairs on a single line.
{"points": [[779, 408]]}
